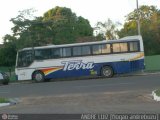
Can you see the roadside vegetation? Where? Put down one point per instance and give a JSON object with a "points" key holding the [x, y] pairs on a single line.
{"points": [[152, 63], [3, 100], [157, 92]]}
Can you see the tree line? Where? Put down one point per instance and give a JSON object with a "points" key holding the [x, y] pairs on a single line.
{"points": [[60, 25]]}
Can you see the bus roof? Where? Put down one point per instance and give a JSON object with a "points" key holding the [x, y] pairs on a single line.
{"points": [[128, 38]]}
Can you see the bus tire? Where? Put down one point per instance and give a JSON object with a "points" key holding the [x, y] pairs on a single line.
{"points": [[38, 76], [107, 71]]}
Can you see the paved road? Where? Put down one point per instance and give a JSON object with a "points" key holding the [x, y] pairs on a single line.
{"points": [[149, 82], [119, 94]]}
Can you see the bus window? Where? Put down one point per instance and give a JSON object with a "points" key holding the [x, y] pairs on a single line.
{"points": [[124, 47], [25, 58], [120, 47], [56, 52], [77, 51], [66, 52], [86, 50], [106, 48], [41, 54], [96, 49], [133, 46], [116, 47]]}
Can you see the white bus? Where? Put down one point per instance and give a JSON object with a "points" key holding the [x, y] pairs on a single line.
{"points": [[102, 58]]}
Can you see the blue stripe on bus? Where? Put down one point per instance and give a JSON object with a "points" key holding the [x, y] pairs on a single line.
{"points": [[118, 68]]}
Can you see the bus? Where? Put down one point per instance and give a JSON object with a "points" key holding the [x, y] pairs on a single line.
{"points": [[101, 58]]}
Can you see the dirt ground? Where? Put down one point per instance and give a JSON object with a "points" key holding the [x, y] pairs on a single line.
{"points": [[90, 99], [108, 102], [136, 101]]}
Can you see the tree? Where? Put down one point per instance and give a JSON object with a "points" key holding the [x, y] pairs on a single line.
{"points": [[22, 29], [108, 29], [150, 28], [8, 54], [66, 26], [8, 51], [57, 26]]}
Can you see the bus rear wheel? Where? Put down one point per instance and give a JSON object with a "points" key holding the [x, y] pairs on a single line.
{"points": [[38, 76], [107, 71]]}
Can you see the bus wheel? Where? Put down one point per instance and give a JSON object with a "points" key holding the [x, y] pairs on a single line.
{"points": [[38, 76], [107, 71]]}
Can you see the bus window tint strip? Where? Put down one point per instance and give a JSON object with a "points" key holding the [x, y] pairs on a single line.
{"points": [[86, 50]]}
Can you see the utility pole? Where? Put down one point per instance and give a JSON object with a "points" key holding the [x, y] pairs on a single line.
{"points": [[138, 20]]}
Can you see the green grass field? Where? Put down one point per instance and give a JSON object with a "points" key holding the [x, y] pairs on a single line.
{"points": [[3, 100], [152, 63]]}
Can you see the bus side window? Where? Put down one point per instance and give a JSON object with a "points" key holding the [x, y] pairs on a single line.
{"points": [[96, 49], [56, 52], [66, 52], [77, 51], [46, 54], [86, 50], [116, 47], [133, 46], [106, 48], [124, 47], [42, 54], [120, 47], [38, 55]]}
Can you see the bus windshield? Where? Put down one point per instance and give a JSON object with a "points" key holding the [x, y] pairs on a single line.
{"points": [[25, 58]]}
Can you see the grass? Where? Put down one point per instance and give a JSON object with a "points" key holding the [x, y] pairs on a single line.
{"points": [[157, 92], [3, 100], [152, 63]]}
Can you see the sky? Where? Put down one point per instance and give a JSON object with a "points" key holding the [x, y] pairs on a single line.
{"points": [[93, 10]]}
